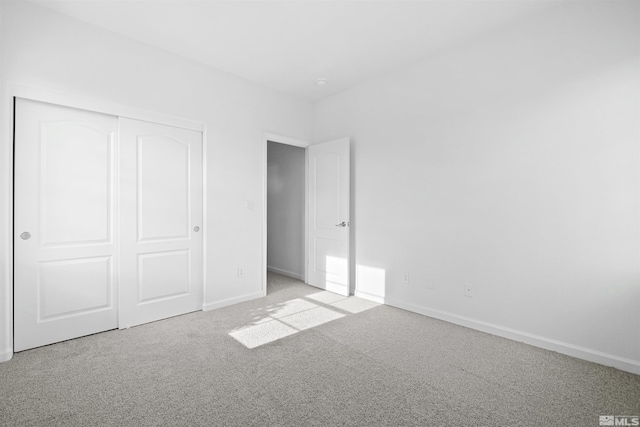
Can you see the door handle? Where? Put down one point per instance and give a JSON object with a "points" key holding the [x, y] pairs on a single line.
{"points": [[25, 236], [343, 224]]}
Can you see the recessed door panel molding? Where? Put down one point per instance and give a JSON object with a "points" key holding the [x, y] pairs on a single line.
{"points": [[161, 219], [163, 188], [163, 275], [74, 287], [326, 250], [64, 245], [326, 170], [75, 211], [328, 195]]}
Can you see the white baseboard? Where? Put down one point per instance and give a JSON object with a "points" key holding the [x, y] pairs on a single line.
{"points": [[6, 355], [285, 273], [232, 301], [578, 352]]}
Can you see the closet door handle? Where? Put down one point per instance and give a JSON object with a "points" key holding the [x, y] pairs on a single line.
{"points": [[25, 236]]}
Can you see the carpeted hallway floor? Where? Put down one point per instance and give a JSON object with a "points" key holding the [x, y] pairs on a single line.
{"points": [[303, 357]]}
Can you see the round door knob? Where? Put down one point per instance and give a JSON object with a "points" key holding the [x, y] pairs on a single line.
{"points": [[196, 228], [25, 236]]}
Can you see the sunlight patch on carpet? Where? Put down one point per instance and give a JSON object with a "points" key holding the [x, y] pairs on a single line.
{"points": [[326, 297], [281, 320], [263, 333], [311, 318], [355, 305]]}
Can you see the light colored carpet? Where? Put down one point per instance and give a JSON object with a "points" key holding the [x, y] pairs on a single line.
{"points": [[316, 359]]}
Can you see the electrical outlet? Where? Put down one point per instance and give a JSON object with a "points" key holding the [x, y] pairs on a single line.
{"points": [[405, 278], [468, 290], [240, 272]]}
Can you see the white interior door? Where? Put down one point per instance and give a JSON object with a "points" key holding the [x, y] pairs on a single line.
{"points": [[161, 222], [65, 282], [328, 195]]}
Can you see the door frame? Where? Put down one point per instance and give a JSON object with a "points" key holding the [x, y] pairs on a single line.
{"points": [[272, 137], [12, 91]]}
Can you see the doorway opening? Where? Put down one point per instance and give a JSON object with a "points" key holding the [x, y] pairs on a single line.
{"points": [[286, 210], [321, 187]]}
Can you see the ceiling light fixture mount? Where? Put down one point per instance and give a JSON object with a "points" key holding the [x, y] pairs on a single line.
{"points": [[321, 81]]}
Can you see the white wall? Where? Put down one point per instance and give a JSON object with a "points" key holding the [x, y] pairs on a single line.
{"points": [[285, 209], [510, 162], [53, 52]]}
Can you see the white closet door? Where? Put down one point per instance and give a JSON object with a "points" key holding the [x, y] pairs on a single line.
{"points": [[65, 283], [160, 223]]}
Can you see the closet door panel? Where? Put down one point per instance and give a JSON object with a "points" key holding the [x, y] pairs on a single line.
{"points": [[65, 283], [161, 220]]}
